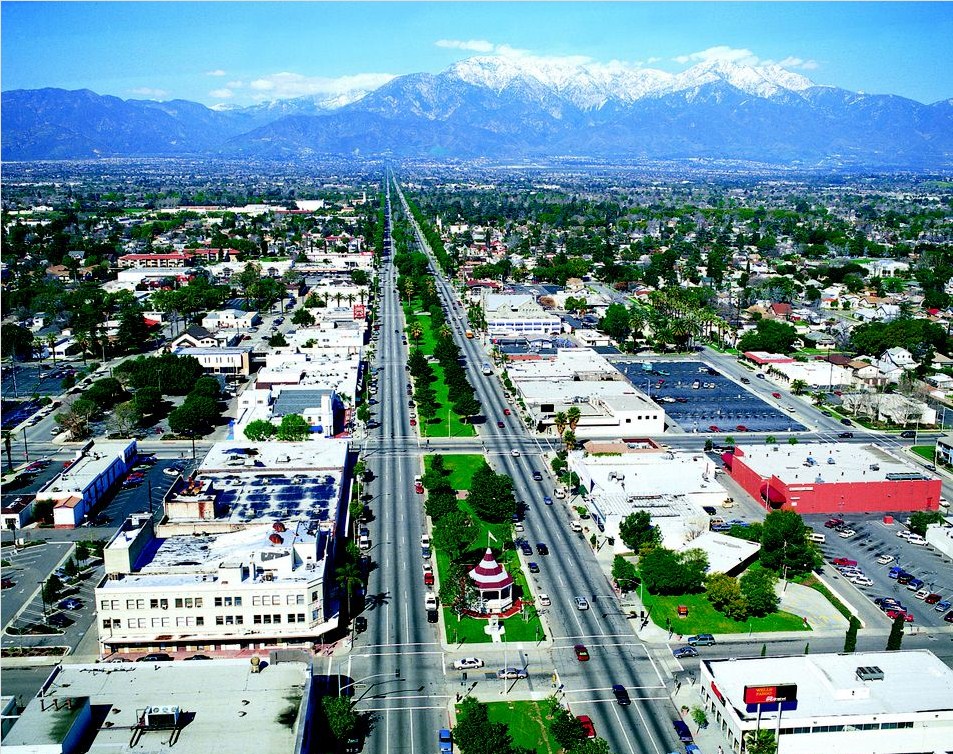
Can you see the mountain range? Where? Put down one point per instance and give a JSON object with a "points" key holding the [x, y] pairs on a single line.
{"points": [[510, 108]]}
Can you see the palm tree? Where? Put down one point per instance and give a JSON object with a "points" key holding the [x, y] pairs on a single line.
{"points": [[337, 297], [416, 332], [573, 416], [569, 438], [798, 387], [560, 420], [351, 298], [82, 340], [50, 344], [349, 577]]}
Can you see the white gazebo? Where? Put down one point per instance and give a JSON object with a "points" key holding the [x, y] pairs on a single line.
{"points": [[493, 583]]}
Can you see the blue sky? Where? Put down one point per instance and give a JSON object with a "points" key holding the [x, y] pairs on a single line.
{"points": [[241, 53]]}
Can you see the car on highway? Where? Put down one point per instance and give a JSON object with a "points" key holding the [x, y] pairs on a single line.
{"points": [[621, 695], [845, 435], [500, 425], [360, 624], [467, 663], [547, 500], [582, 603], [542, 548], [515, 453], [701, 640], [847, 422], [506, 412], [197, 657], [582, 654], [511, 674], [525, 548], [537, 476], [432, 616], [908, 433], [681, 652], [588, 729], [533, 567]]}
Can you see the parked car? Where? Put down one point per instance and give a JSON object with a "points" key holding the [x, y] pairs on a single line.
{"points": [[543, 599], [833, 522], [59, 620], [444, 741], [360, 624], [942, 605], [907, 617], [682, 731], [682, 652], [156, 657], [432, 616], [701, 640], [588, 729], [525, 548], [844, 562], [511, 674], [70, 603], [885, 559], [533, 567], [845, 435], [915, 585], [198, 657], [467, 663], [908, 433]]}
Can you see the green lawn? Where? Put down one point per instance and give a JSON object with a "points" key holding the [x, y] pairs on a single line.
{"points": [[927, 452], [461, 467], [528, 723], [703, 618]]}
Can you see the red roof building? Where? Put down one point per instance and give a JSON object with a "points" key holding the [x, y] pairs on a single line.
{"points": [[493, 583], [175, 259]]}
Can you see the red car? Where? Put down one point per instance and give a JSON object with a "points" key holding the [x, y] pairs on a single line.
{"points": [[775, 395], [413, 422], [587, 727], [907, 617], [844, 562], [741, 428], [506, 412], [419, 488], [582, 654], [713, 428]]}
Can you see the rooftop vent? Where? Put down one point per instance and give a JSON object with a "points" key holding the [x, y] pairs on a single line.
{"points": [[870, 673]]}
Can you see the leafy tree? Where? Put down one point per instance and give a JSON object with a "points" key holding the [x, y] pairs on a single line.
{"points": [[896, 634], [491, 495], [293, 427], [148, 400], [208, 386], [921, 520], [195, 416], [760, 742], [850, 639], [441, 503], [260, 430], [724, 593], [784, 544], [624, 573], [467, 406], [170, 373], [278, 340], [616, 322], [16, 341], [302, 318], [76, 417], [591, 746], [757, 586], [665, 571], [341, 716], [636, 531], [105, 393], [125, 418], [566, 729], [71, 569], [475, 734], [769, 335], [453, 533], [51, 589], [133, 333]]}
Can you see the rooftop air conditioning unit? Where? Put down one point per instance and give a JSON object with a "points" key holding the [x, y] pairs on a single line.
{"points": [[870, 673]]}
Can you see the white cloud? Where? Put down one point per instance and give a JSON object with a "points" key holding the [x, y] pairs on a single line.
{"points": [[221, 93], [473, 45], [286, 84], [148, 91], [235, 84], [216, 72], [743, 56]]}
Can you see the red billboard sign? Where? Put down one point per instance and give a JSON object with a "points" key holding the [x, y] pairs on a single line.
{"points": [[359, 311], [770, 694]]}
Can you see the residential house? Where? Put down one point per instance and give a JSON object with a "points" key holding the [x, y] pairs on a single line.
{"points": [[230, 319], [894, 362]]}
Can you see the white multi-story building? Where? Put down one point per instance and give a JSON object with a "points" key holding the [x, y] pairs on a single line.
{"points": [[517, 314], [241, 559], [885, 702]]}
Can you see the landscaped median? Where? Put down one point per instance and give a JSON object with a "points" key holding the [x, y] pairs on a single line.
{"points": [[461, 536]]}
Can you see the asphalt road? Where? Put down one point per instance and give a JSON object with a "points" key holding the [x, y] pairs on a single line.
{"points": [[617, 656], [405, 712]]}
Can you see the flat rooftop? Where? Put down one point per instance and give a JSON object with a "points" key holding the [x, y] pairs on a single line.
{"points": [[550, 391], [568, 363], [828, 462], [87, 468], [828, 686], [231, 708]]}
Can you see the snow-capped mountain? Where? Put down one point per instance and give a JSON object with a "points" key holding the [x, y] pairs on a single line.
{"points": [[512, 107], [589, 86]]}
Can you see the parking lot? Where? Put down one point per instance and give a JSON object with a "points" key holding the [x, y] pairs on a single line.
{"points": [[700, 399], [874, 538], [144, 496]]}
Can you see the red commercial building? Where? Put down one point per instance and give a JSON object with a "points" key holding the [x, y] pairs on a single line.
{"points": [[831, 478]]}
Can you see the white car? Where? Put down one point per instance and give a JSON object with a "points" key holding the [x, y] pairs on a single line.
{"points": [[543, 599], [582, 603], [922, 594], [916, 539], [904, 533], [514, 452], [467, 663], [861, 580], [847, 534], [885, 559]]}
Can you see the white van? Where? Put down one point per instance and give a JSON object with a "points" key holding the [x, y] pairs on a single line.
{"points": [[815, 537]]}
